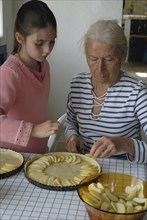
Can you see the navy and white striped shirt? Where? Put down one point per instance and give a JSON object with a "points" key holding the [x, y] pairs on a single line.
{"points": [[124, 113]]}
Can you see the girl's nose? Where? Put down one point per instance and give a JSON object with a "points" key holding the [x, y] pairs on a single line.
{"points": [[47, 49]]}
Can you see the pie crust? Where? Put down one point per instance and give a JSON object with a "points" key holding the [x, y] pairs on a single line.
{"points": [[60, 170], [10, 162]]}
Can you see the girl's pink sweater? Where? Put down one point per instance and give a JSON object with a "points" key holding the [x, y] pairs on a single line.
{"points": [[23, 103]]}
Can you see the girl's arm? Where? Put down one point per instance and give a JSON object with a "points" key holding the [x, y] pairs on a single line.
{"points": [[12, 131]]}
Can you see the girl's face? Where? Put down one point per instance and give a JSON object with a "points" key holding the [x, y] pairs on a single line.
{"points": [[104, 61], [38, 45]]}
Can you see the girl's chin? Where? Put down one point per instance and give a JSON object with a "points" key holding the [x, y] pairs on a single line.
{"points": [[41, 59]]}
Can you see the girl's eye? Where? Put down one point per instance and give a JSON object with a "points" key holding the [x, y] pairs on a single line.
{"points": [[39, 44], [52, 42]]}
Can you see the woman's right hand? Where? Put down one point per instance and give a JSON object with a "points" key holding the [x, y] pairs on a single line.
{"points": [[74, 144], [45, 129]]}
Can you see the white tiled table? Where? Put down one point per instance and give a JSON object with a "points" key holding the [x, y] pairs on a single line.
{"points": [[21, 200]]}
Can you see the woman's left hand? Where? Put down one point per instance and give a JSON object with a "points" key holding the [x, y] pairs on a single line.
{"points": [[108, 146]]}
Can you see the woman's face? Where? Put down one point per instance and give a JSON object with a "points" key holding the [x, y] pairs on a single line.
{"points": [[104, 61]]}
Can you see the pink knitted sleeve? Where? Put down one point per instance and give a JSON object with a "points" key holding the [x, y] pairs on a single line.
{"points": [[23, 134], [12, 131]]}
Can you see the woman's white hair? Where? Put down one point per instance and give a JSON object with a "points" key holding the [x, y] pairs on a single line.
{"points": [[107, 31]]}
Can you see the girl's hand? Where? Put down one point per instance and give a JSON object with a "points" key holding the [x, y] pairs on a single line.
{"points": [[74, 144], [45, 129], [108, 146]]}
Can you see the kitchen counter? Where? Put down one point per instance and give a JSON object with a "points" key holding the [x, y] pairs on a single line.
{"points": [[137, 17]]}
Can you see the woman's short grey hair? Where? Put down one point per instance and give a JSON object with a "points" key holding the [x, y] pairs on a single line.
{"points": [[107, 31]]}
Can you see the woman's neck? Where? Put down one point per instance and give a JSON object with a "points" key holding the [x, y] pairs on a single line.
{"points": [[100, 88]]}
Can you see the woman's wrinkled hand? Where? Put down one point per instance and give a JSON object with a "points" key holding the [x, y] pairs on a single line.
{"points": [[108, 146], [74, 144], [45, 129]]}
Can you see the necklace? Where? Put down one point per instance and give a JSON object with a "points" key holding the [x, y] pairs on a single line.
{"points": [[98, 102]]}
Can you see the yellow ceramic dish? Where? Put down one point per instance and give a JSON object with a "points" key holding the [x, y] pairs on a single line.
{"points": [[118, 185]]}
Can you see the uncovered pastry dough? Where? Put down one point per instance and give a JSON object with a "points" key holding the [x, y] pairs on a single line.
{"points": [[61, 169], [9, 160]]}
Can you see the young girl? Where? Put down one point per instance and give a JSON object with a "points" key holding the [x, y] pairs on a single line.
{"points": [[25, 81]]}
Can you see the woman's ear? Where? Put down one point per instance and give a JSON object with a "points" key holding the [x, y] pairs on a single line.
{"points": [[19, 37], [124, 56]]}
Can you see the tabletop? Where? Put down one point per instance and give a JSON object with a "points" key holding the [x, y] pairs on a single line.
{"points": [[21, 200]]}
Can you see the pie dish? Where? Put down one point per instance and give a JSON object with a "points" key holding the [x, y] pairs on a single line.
{"points": [[60, 170], [10, 162]]}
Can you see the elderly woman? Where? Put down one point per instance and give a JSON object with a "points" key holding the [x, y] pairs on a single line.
{"points": [[106, 109]]}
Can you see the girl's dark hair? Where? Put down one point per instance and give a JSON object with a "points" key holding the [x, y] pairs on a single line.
{"points": [[32, 15]]}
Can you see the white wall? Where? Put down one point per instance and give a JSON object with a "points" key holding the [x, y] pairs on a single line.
{"points": [[7, 38], [1, 18], [67, 58], [10, 8]]}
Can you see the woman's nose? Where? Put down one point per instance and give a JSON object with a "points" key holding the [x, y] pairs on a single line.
{"points": [[100, 65]]}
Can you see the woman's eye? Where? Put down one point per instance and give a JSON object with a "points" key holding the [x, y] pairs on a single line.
{"points": [[92, 59], [108, 59]]}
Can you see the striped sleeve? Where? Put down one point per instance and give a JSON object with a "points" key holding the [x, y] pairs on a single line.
{"points": [[70, 126], [140, 152], [141, 113]]}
